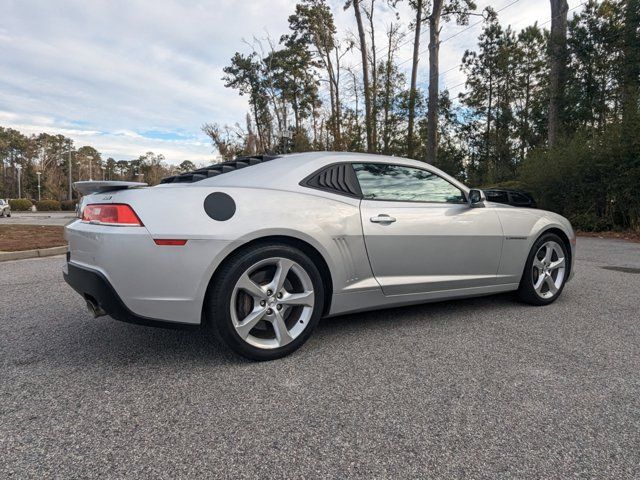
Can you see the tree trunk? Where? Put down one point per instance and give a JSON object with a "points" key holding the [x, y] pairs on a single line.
{"points": [[332, 96], [374, 80], [260, 142], [387, 93], [314, 118], [488, 130], [414, 78], [356, 104], [296, 113], [336, 87], [630, 112], [434, 67], [631, 70], [524, 141], [365, 75], [557, 68], [333, 73]]}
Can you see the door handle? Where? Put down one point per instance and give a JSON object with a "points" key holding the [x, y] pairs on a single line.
{"points": [[383, 219]]}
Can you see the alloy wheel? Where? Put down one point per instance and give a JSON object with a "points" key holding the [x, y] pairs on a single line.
{"points": [[548, 269], [272, 303]]}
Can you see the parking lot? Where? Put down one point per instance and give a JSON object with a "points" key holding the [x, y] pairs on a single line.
{"points": [[477, 388], [38, 218]]}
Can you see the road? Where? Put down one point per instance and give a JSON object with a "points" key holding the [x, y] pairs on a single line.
{"points": [[478, 388], [38, 218]]}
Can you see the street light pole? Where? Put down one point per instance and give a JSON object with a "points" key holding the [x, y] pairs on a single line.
{"points": [[70, 181], [39, 174], [19, 191]]}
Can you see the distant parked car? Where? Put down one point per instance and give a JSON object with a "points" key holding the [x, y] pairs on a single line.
{"points": [[5, 208], [517, 198]]}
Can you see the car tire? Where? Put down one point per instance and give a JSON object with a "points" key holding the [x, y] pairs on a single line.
{"points": [[544, 278], [283, 327]]}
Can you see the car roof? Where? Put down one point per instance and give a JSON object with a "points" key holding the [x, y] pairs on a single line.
{"points": [[287, 171]]}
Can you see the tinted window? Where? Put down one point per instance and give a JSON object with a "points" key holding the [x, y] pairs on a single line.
{"points": [[396, 182], [519, 199], [499, 197]]}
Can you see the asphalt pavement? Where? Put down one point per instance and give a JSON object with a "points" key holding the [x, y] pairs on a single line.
{"points": [[38, 218], [478, 388]]}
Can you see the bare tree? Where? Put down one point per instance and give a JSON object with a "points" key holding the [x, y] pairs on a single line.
{"points": [[356, 105], [229, 141], [444, 10], [434, 68], [365, 73], [557, 67], [373, 59], [418, 6], [393, 38]]}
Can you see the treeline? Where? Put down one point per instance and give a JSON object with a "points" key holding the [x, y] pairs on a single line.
{"points": [[54, 155], [551, 108]]}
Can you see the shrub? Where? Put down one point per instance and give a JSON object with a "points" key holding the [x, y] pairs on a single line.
{"points": [[48, 205], [69, 205], [580, 180], [590, 222], [20, 204], [512, 184]]}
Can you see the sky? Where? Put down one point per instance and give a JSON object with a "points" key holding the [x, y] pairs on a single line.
{"points": [[131, 76]]}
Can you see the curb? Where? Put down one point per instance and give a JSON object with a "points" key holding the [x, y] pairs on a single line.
{"points": [[41, 252]]}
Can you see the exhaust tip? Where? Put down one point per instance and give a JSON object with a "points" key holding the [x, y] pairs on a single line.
{"points": [[94, 308]]}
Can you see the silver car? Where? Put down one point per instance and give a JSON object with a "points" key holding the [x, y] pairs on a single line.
{"points": [[261, 248], [5, 208]]}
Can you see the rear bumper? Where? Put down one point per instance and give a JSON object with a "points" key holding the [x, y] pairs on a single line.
{"points": [[167, 283], [94, 286]]}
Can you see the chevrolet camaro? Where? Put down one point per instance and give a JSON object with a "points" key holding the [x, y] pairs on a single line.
{"points": [[260, 248]]}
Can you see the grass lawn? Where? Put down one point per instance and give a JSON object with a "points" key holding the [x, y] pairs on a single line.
{"points": [[14, 238]]}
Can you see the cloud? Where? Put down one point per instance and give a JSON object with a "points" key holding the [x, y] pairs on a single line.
{"points": [[137, 75], [120, 144], [134, 66]]}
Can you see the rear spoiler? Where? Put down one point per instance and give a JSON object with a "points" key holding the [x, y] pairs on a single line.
{"points": [[91, 186]]}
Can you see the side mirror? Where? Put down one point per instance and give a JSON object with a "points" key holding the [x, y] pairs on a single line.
{"points": [[476, 198]]}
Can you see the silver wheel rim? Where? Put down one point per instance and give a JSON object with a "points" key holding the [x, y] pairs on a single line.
{"points": [[272, 303], [548, 269]]}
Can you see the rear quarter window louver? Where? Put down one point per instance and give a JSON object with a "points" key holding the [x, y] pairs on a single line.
{"points": [[218, 169], [339, 178]]}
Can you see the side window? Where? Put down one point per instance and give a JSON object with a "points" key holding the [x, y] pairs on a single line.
{"points": [[379, 181], [496, 196], [519, 199]]}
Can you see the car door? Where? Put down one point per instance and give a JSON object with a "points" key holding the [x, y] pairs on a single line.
{"points": [[420, 233]]}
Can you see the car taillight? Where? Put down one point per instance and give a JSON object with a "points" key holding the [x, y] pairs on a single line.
{"points": [[111, 214]]}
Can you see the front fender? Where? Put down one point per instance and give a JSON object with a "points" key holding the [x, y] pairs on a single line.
{"points": [[522, 227]]}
